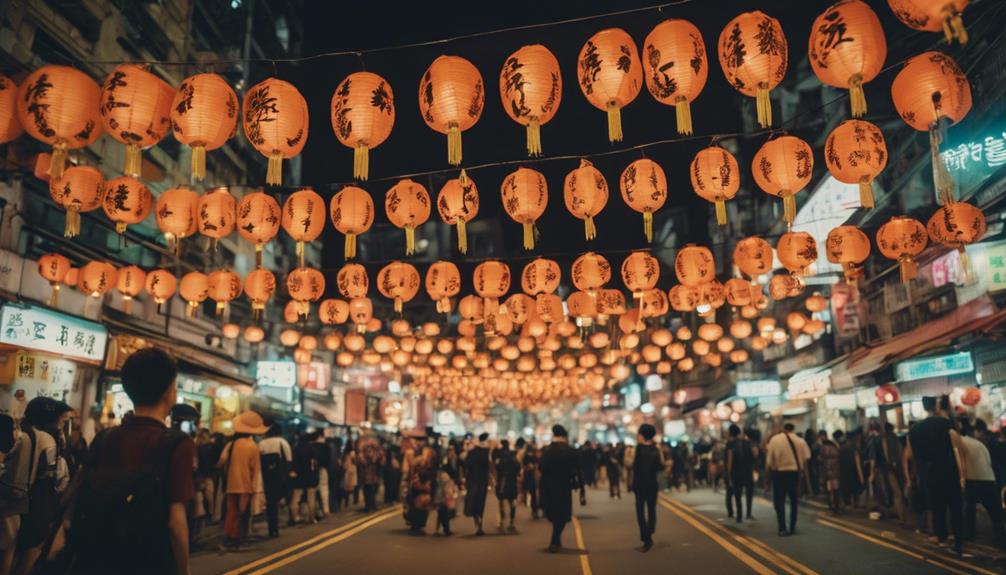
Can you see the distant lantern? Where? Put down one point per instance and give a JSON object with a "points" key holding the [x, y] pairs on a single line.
{"points": [[223, 287], [856, 153], [903, 238], [740, 328], [848, 246], [933, 16], [258, 220], [754, 55], [363, 114], [230, 331], [176, 214], [694, 265], [352, 281], [361, 311], [782, 167], [130, 282], [531, 89], [399, 282], [540, 276], [610, 75], [586, 193], [194, 288], [640, 272], [204, 115], [291, 311], [289, 337], [136, 111], [738, 292], [443, 281], [275, 122], [260, 285], [955, 225], [126, 202], [525, 196], [796, 251], [71, 277], [582, 307], [333, 312], [675, 67], [303, 218], [58, 106], [451, 98], [10, 125], [352, 213], [305, 285], [848, 49], [471, 308], [491, 281], [816, 303], [753, 256], [217, 214], [715, 178], [254, 334], [644, 189], [53, 268], [97, 278], [932, 92], [407, 205], [161, 285], [458, 204], [79, 189], [590, 272]]}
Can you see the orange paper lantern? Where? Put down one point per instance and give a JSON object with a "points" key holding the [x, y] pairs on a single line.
{"points": [[333, 312], [96, 278], [491, 281], [782, 167], [586, 193], [194, 289], [136, 111], [407, 204], [451, 98], [79, 189], [525, 196], [204, 115], [540, 276], [53, 268], [694, 265], [10, 125], [610, 75], [217, 214], [223, 287], [305, 285], [856, 153], [644, 189], [715, 178], [129, 282], [398, 281], [161, 285], [352, 281], [796, 251], [443, 281], [258, 220], [363, 114], [303, 218], [275, 121], [955, 225], [903, 238], [754, 55], [352, 213], [590, 272], [260, 285], [753, 256], [458, 204], [176, 214], [933, 16], [675, 67], [127, 201], [737, 292], [848, 246], [848, 49], [531, 89]]}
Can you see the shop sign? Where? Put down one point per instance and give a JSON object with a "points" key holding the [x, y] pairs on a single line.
{"points": [[313, 377], [276, 374], [996, 260], [41, 329], [11, 266], [759, 388], [804, 385], [840, 401], [982, 155], [938, 366], [945, 268], [799, 361]]}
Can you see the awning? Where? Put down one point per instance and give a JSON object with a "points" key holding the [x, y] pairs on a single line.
{"points": [[975, 316]]}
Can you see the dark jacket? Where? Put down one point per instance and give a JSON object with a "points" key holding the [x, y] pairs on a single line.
{"points": [[560, 475]]}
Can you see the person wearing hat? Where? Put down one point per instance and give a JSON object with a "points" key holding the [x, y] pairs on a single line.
{"points": [[560, 474], [241, 464]]}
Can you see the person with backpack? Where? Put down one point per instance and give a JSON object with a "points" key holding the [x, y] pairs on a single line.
{"points": [[276, 460], [241, 465], [128, 513], [741, 457]]}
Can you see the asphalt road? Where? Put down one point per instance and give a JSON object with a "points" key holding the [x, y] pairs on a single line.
{"points": [[693, 536]]}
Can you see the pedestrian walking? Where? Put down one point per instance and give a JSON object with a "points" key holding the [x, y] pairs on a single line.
{"points": [[786, 458], [980, 486], [613, 465], [350, 476], [477, 481], [305, 478], [741, 454], [885, 471], [369, 456], [422, 484], [850, 462], [830, 472], [530, 479], [560, 475], [507, 472], [241, 465], [647, 462], [277, 459], [446, 496]]}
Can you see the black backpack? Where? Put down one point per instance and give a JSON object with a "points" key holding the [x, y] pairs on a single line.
{"points": [[119, 519]]}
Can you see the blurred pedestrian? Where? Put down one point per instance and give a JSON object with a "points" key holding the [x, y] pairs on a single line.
{"points": [[786, 459], [560, 474], [741, 457], [647, 463], [350, 475], [305, 478], [241, 463], [980, 485], [830, 472], [507, 472], [477, 481], [277, 459]]}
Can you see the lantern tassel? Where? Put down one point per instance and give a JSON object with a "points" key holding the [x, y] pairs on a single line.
{"points": [[462, 237], [789, 209], [683, 113], [274, 170], [721, 213], [764, 105], [132, 164], [361, 162], [191, 309], [128, 304], [957, 24], [258, 255], [120, 228], [967, 273], [58, 160], [589, 228], [639, 310], [300, 253], [614, 122], [865, 193], [72, 227], [410, 241], [941, 177], [528, 236], [454, 145], [198, 163], [533, 138], [54, 296], [221, 306], [398, 305], [350, 250], [857, 98], [909, 269], [257, 311], [648, 226]]}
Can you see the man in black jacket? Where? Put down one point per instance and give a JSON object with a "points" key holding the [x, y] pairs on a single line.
{"points": [[647, 463], [560, 475]]}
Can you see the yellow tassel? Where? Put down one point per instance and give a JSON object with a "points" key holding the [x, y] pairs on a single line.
{"points": [[454, 145], [198, 163], [410, 241], [303, 309], [54, 297], [58, 160], [857, 98], [350, 249], [614, 122], [528, 236], [300, 253], [133, 164], [721, 213], [72, 228], [683, 112], [648, 226], [361, 162], [192, 308], [789, 209], [398, 305], [865, 193], [589, 228], [957, 23], [258, 255], [639, 309], [941, 177], [462, 237], [274, 170], [120, 228], [764, 105], [128, 301], [221, 306], [909, 269], [257, 309], [967, 273], [533, 138]]}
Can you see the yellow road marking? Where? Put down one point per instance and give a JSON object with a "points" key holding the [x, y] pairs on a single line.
{"points": [[286, 551], [730, 547], [897, 548], [782, 557], [584, 562]]}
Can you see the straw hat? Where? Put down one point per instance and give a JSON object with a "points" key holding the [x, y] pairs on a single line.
{"points": [[249, 422]]}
